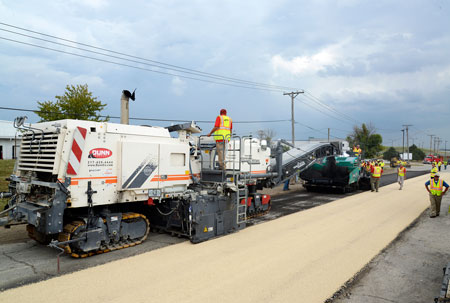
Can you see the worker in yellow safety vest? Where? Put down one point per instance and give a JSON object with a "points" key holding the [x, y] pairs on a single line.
{"points": [[433, 171], [401, 173], [377, 171], [357, 150], [439, 165], [222, 134], [436, 190]]}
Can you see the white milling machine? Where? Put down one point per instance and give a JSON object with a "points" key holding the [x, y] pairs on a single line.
{"points": [[91, 187]]}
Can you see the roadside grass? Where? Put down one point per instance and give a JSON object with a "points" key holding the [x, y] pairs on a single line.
{"points": [[6, 169]]}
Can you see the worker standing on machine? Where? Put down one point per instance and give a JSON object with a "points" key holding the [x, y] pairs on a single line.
{"points": [[401, 172], [357, 150], [377, 171], [434, 170], [222, 134], [436, 186]]}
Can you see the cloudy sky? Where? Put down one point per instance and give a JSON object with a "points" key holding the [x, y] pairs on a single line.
{"points": [[381, 62]]}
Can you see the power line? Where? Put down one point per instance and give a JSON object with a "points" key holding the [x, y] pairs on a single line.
{"points": [[140, 62], [327, 114], [315, 129], [139, 119], [154, 62], [330, 108], [137, 67]]}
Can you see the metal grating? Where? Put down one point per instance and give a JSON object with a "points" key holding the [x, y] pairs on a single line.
{"points": [[38, 153]]}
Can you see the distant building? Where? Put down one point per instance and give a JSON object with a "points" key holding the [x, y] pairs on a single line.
{"points": [[9, 141]]}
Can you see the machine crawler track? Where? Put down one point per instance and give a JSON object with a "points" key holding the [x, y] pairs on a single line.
{"points": [[71, 228]]}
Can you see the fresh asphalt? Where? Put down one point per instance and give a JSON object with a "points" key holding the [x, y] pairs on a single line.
{"points": [[24, 261]]}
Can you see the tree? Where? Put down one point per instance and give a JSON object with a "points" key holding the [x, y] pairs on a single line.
{"points": [[369, 141], [417, 153], [267, 134], [390, 153], [76, 103]]}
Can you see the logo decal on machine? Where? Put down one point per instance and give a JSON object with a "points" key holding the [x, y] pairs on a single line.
{"points": [[100, 153], [79, 137], [141, 174]]}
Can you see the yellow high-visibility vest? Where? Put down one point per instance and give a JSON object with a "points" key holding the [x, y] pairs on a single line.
{"points": [[401, 171], [376, 172], [224, 131], [357, 151], [436, 187], [434, 170]]}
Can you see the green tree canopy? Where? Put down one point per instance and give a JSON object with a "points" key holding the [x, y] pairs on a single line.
{"points": [[369, 141], [76, 103], [417, 153], [390, 153]]}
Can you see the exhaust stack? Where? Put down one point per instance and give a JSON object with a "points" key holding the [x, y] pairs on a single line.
{"points": [[124, 106]]}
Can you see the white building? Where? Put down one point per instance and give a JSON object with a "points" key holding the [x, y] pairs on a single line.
{"points": [[9, 140]]}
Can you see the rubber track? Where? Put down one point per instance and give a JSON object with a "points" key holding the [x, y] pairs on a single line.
{"points": [[71, 227]]}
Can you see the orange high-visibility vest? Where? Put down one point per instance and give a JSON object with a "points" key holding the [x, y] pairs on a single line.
{"points": [[401, 171], [436, 187], [376, 172], [224, 131]]}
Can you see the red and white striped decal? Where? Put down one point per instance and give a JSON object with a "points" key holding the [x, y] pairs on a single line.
{"points": [[79, 137]]}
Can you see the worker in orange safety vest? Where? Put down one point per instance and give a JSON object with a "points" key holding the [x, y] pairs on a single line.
{"points": [[401, 175], [222, 134], [377, 171]]}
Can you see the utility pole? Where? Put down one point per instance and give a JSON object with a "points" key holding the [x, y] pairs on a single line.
{"points": [[407, 139], [445, 151], [328, 134], [434, 145], [431, 140], [439, 145], [293, 95], [403, 144]]}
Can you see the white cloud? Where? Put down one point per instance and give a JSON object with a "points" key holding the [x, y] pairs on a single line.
{"points": [[178, 86], [303, 65], [96, 4], [92, 80]]}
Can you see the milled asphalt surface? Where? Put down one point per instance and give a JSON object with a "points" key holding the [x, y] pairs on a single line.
{"points": [[360, 290], [410, 269], [303, 257]]}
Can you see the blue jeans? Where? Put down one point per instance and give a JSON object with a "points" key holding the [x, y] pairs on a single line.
{"points": [[286, 185]]}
